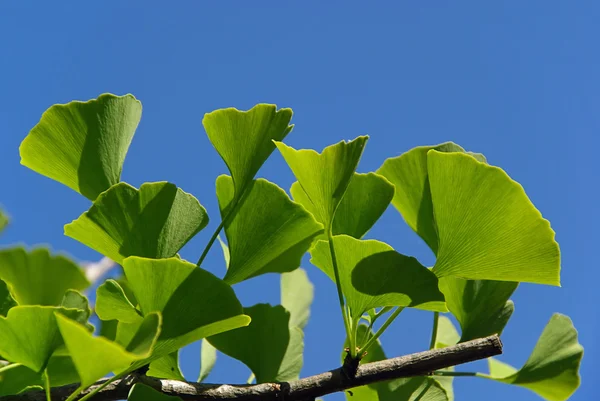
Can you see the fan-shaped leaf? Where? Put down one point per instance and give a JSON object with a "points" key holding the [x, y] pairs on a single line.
{"points": [[244, 139], [286, 230], [365, 200], [36, 278], [297, 294], [208, 358], [373, 275], [166, 367], [155, 221], [113, 304], [552, 370], [325, 176], [83, 144]]}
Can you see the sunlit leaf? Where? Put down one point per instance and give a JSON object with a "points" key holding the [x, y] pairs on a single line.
{"points": [[286, 230], [366, 198], [107, 356], [481, 306], [409, 389], [225, 249], [83, 144], [141, 392], [297, 293], [244, 139], [76, 300], [166, 367], [208, 358], [194, 303], [6, 300], [552, 370], [325, 176], [37, 278], [155, 221], [373, 275], [113, 304], [29, 334]]}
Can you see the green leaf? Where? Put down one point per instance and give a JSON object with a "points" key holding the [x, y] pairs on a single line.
{"points": [[373, 275], [366, 198], [325, 176], [18, 379], [113, 304], [264, 344], [244, 139], [481, 306], [107, 356], [297, 293], [6, 300], [75, 300], [208, 358], [194, 303], [225, 249], [36, 278], [141, 392], [475, 203], [408, 172], [552, 370], [409, 389], [286, 230], [83, 144], [29, 334], [155, 221], [166, 367]]}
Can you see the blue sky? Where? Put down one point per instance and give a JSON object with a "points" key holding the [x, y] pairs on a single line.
{"points": [[517, 81]]}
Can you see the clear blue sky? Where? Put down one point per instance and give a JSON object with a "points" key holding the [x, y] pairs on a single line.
{"points": [[517, 81]]}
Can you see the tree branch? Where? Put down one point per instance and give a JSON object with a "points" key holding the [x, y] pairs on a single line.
{"points": [[418, 364]]}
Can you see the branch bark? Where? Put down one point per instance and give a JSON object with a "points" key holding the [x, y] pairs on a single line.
{"points": [[418, 364]]}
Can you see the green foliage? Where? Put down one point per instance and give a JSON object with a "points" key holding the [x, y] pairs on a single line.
{"points": [[484, 231]]}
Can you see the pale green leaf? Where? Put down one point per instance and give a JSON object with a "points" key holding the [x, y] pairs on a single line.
{"points": [[366, 198], [225, 249], [244, 139], [83, 144], [29, 334], [37, 278], [325, 176], [155, 221], [373, 275], [107, 356], [286, 230], [141, 392], [265, 344], [297, 293], [481, 306], [488, 229], [113, 304], [208, 358], [552, 370], [166, 367]]}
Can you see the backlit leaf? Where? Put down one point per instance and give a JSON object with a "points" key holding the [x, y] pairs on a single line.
{"points": [[552, 370], [297, 293], [325, 176], [83, 144], [286, 230], [155, 221], [113, 304], [373, 275], [208, 358], [6, 300], [37, 278], [166, 367], [365, 200]]}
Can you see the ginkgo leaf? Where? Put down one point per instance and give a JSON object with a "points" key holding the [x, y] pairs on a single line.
{"points": [[268, 346], [409, 389], [155, 221], [17, 379], [286, 230], [6, 300], [107, 356], [208, 358], [29, 334], [365, 200], [113, 304], [37, 278], [552, 370], [325, 176], [488, 229], [166, 367], [193, 302], [481, 306], [297, 293], [373, 275], [244, 139], [83, 144], [141, 392]]}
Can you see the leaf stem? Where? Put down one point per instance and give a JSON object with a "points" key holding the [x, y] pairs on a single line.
{"points": [[336, 272], [436, 318], [452, 373], [47, 385], [383, 327], [75, 393], [210, 243], [9, 367]]}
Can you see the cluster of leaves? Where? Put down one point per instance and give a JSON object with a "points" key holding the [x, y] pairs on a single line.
{"points": [[486, 235]]}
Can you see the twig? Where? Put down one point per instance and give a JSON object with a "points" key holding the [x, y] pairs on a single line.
{"points": [[419, 364]]}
